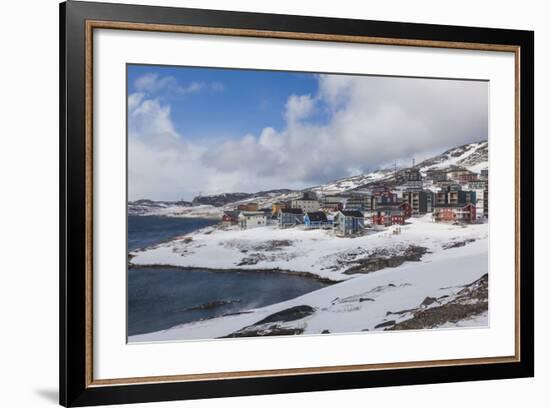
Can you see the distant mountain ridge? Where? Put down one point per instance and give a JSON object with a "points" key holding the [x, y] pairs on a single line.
{"points": [[219, 200]]}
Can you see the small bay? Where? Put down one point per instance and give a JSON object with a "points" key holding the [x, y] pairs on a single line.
{"points": [[163, 297]]}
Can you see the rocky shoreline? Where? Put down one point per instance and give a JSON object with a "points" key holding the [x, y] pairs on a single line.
{"points": [[308, 275]]}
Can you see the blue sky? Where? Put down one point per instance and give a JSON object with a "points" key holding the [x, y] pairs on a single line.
{"points": [[215, 130], [217, 102]]}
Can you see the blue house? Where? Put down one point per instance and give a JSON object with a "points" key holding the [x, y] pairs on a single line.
{"points": [[316, 219], [289, 217], [348, 222]]}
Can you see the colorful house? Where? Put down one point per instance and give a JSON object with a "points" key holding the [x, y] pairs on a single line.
{"points": [[467, 178], [348, 222], [252, 219], [316, 219], [248, 207], [395, 214], [463, 213], [277, 207], [382, 195], [289, 217], [230, 218], [454, 194]]}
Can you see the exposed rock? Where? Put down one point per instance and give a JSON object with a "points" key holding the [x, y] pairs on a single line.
{"points": [[381, 259], [220, 200], [273, 325], [457, 244], [437, 316], [273, 330], [288, 315], [470, 301], [428, 301], [214, 304], [385, 324], [273, 245]]}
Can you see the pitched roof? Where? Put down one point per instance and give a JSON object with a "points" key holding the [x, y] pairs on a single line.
{"points": [[452, 205], [292, 210], [251, 213], [389, 209], [352, 213], [317, 216]]}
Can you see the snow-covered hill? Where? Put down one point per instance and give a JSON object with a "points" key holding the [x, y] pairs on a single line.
{"points": [[473, 156], [446, 287]]}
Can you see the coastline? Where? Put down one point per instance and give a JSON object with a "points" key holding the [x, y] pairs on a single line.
{"points": [[307, 275], [393, 297], [379, 299]]}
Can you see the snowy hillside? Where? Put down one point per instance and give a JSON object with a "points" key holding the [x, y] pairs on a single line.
{"points": [[316, 252], [173, 209], [447, 287], [472, 156], [354, 182]]}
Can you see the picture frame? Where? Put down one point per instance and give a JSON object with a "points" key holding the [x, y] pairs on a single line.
{"points": [[78, 23]]}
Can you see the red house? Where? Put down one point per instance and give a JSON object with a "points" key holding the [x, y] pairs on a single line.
{"points": [[230, 217], [395, 214], [465, 213], [467, 178], [407, 209]]}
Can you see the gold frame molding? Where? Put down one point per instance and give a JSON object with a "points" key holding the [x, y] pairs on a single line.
{"points": [[116, 25]]}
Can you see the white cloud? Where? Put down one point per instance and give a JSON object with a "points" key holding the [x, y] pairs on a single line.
{"points": [[153, 84], [160, 163], [192, 87], [298, 107], [371, 121], [134, 100]]}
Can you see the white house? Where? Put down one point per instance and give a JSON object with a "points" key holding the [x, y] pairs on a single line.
{"points": [[305, 204], [252, 219]]}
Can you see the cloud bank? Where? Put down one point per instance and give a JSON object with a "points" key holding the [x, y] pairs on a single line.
{"points": [[351, 125]]}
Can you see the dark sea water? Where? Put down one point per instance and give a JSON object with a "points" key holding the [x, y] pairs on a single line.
{"points": [[160, 298], [144, 231]]}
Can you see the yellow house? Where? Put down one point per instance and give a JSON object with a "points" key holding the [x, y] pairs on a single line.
{"points": [[277, 207]]}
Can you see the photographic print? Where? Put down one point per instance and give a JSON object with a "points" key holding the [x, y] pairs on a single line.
{"points": [[266, 203]]}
